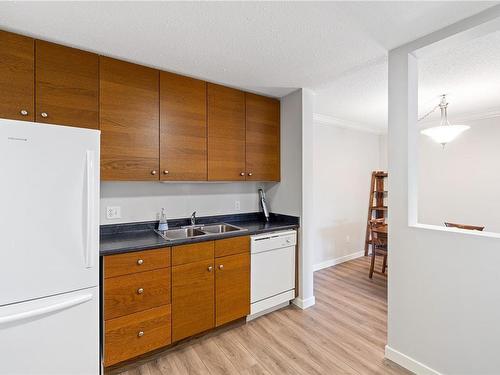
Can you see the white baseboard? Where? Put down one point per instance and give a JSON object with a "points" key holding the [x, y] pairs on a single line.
{"points": [[333, 262], [408, 363], [304, 303]]}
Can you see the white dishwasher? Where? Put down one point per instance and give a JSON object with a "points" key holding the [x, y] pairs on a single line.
{"points": [[272, 271]]}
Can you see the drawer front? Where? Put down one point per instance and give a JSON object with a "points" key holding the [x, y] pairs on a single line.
{"points": [[192, 253], [231, 246], [127, 294], [135, 334], [124, 264]]}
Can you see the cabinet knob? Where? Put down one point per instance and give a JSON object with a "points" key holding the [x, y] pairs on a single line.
{"points": [[242, 173], [140, 291], [166, 172], [44, 114], [221, 267], [250, 174], [140, 334], [153, 172], [23, 112], [140, 261], [210, 268]]}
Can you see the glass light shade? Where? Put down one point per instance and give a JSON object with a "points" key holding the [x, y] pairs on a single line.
{"points": [[445, 133]]}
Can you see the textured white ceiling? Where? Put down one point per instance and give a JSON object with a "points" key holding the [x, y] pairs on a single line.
{"points": [[268, 47], [469, 74]]}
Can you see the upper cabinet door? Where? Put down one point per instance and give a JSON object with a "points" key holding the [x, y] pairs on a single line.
{"points": [[17, 75], [67, 86], [226, 134], [262, 138], [129, 109], [183, 128]]}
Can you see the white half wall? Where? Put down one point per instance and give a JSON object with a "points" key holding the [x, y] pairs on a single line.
{"points": [[461, 183], [343, 162], [443, 289]]}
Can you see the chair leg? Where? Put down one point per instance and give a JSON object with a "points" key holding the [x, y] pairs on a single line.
{"points": [[384, 264], [372, 265]]}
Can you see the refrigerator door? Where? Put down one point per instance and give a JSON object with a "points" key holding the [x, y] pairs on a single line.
{"points": [[49, 210], [57, 335]]}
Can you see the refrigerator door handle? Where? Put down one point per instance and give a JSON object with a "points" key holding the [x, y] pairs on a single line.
{"points": [[45, 310], [89, 241]]}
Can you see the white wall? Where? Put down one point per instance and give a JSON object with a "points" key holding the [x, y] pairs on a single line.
{"points": [[443, 296], [142, 201], [343, 161], [461, 183]]}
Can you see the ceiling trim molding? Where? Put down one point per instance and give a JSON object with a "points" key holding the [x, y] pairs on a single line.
{"points": [[341, 123], [468, 117]]}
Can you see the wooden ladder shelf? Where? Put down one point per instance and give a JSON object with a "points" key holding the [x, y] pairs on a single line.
{"points": [[376, 208]]}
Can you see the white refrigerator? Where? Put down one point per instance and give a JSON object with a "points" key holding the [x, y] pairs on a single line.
{"points": [[49, 249]]}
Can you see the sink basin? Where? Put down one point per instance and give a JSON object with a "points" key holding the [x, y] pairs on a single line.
{"points": [[220, 228], [178, 234]]}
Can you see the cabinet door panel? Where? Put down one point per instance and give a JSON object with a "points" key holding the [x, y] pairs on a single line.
{"points": [[17, 77], [262, 138], [192, 299], [232, 288], [226, 134], [129, 118], [67, 86], [183, 128]]}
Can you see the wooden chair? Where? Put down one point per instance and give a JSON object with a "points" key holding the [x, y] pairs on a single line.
{"points": [[379, 245], [463, 226]]}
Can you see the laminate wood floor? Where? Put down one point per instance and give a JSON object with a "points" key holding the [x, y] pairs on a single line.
{"points": [[344, 333]]}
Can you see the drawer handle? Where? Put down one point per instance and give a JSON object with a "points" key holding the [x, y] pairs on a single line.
{"points": [[23, 112], [140, 334], [221, 267], [140, 261], [44, 114], [210, 268], [140, 291]]}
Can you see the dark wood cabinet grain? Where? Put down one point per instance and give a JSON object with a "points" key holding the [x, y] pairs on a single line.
{"points": [[226, 134], [262, 138], [129, 118], [67, 86], [183, 128], [17, 77]]}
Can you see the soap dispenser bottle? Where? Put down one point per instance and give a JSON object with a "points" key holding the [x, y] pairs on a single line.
{"points": [[163, 225]]}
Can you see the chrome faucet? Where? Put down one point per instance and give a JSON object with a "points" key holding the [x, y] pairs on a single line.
{"points": [[193, 218]]}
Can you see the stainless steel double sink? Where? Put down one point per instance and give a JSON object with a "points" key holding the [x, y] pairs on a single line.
{"points": [[198, 230]]}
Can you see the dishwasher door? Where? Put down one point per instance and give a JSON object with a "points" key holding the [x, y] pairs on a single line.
{"points": [[272, 269]]}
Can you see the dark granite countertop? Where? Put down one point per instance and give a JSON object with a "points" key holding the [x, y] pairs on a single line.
{"points": [[123, 238]]}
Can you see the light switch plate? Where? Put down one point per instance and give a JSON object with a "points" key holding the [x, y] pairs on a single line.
{"points": [[113, 212]]}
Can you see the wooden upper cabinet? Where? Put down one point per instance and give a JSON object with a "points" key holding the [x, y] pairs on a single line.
{"points": [[129, 117], [232, 288], [262, 138], [17, 75], [183, 128], [67, 86], [226, 134]]}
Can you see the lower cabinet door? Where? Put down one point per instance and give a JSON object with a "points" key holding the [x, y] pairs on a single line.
{"points": [[192, 298], [232, 288], [132, 335]]}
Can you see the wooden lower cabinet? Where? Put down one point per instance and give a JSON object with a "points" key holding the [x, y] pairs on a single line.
{"points": [[192, 298], [232, 288], [132, 335]]}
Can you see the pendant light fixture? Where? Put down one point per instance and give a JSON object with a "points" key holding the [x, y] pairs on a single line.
{"points": [[445, 132]]}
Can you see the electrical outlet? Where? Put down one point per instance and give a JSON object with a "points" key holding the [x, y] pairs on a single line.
{"points": [[113, 212], [237, 205]]}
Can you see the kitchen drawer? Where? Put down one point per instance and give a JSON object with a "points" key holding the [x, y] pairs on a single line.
{"points": [[135, 334], [124, 264], [231, 246], [192, 253], [127, 294]]}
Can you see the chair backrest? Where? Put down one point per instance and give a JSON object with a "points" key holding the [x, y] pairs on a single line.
{"points": [[463, 226], [377, 240]]}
